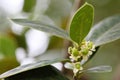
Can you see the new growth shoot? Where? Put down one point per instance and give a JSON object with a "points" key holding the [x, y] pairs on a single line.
{"points": [[79, 54]]}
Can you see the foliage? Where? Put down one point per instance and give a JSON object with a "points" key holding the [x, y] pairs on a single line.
{"points": [[41, 73], [84, 38], [109, 32], [54, 30], [81, 23]]}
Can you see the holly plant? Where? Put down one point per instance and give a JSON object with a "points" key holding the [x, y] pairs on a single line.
{"points": [[86, 40]]}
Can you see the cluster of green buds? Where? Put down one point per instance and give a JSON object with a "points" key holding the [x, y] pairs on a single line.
{"points": [[79, 54]]}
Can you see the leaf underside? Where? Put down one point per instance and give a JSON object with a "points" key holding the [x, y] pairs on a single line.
{"points": [[99, 69], [42, 73], [43, 26], [105, 31], [29, 67]]}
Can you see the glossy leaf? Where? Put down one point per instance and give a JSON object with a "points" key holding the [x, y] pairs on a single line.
{"points": [[46, 27], [99, 69], [105, 31], [81, 23], [42, 73], [30, 67]]}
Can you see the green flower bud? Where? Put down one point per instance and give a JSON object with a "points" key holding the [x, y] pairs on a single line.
{"points": [[85, 51], [90, 45], [75, 52], [80, 52], [77, 65]]}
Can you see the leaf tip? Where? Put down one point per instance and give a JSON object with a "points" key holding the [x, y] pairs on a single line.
{"points": [[86, 3]]}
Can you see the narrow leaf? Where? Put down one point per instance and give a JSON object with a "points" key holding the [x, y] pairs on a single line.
{"points": [[42, 73], [45, 27], [81, 23], [99, 69], [29, 67], [105, 31]]}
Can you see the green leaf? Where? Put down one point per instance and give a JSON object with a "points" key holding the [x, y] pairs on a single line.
{"points": [[30, 67], [46, 27], [81, 23], [42, 73], [105, 31], [99, 69]]}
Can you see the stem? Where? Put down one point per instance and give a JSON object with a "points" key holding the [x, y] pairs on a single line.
{"points": [[76, 5]]}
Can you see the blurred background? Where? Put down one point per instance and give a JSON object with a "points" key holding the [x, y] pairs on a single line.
{"points": [[20, 45]]}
